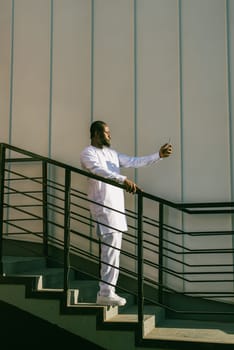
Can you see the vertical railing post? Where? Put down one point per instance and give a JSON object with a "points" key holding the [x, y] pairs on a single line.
{"points": [[67, 229], [45, 209], [140, 263], [160, 259], [2, 178]]}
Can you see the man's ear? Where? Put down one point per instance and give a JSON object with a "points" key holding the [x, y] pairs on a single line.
{"points": [[98, 133]]}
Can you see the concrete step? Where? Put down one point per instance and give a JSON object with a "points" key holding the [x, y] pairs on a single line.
{"points": [[193, 331], [155, 310], [152, 315]]}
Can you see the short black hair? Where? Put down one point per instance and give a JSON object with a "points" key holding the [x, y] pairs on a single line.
{"points": [[98, 126]]}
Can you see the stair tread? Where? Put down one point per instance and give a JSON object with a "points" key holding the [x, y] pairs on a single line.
{"points": [[131, 318], [90, 305], [195, 331], [130, 314], [41, 290]]}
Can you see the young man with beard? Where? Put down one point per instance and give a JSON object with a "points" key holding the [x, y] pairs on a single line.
{"points": [[107, 202]]}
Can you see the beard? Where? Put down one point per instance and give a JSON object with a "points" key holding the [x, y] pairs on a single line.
{"points": [[106, 142]]}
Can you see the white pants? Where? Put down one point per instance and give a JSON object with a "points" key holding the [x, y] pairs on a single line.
{"points": [[110, 256]]}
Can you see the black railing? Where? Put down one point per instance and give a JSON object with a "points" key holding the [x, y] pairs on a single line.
{"points": [[171, 250]]}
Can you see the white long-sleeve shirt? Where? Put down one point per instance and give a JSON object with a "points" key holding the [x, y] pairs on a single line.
{"points": [[107, 206]]}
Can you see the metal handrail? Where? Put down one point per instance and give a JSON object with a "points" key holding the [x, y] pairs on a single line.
{"points": [[141, 239]]}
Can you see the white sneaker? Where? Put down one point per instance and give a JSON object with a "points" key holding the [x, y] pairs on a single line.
{"points": [[113, 299]]}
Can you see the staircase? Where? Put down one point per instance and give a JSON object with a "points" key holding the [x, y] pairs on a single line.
{"points": [[36, 289], [43, 202]]}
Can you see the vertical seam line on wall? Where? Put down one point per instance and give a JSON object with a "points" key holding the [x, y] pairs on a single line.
{"points": [[135, 97], [11, 70], [181, 96], [51, 77], [229, 104], [91, 93], [50, 170], [181, 115], [135, 86], [11, 99], [92, 61]]}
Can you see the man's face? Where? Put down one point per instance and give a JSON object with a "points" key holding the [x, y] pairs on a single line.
{"points": [[105, 136]]}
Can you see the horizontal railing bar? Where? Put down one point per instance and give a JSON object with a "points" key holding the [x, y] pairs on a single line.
{"points": [[16, 160], [21, 210], [22, 177], [7, 221], [11, 179], [214, 211], [13, 191], [188, 251], [18, 227], [195, 265], [24, 205], [80, 207]]}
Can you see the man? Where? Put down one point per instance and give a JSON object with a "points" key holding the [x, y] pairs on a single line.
{"points": [[107, 202]]}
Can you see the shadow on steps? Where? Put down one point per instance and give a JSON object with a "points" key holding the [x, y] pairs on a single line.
{"points": [[21, 328]]}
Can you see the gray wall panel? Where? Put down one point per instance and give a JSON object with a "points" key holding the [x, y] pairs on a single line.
{"points": [[30, 104], [205, 118], [5, 69], [71, 79]]}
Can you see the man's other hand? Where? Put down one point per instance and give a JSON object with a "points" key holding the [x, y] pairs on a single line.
{"points": [[130, 186]]}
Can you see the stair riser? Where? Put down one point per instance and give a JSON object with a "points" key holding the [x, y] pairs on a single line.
{"points": [[18, 267]]}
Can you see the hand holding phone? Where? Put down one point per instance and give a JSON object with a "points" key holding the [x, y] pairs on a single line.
{"points": [[166, 150]]}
